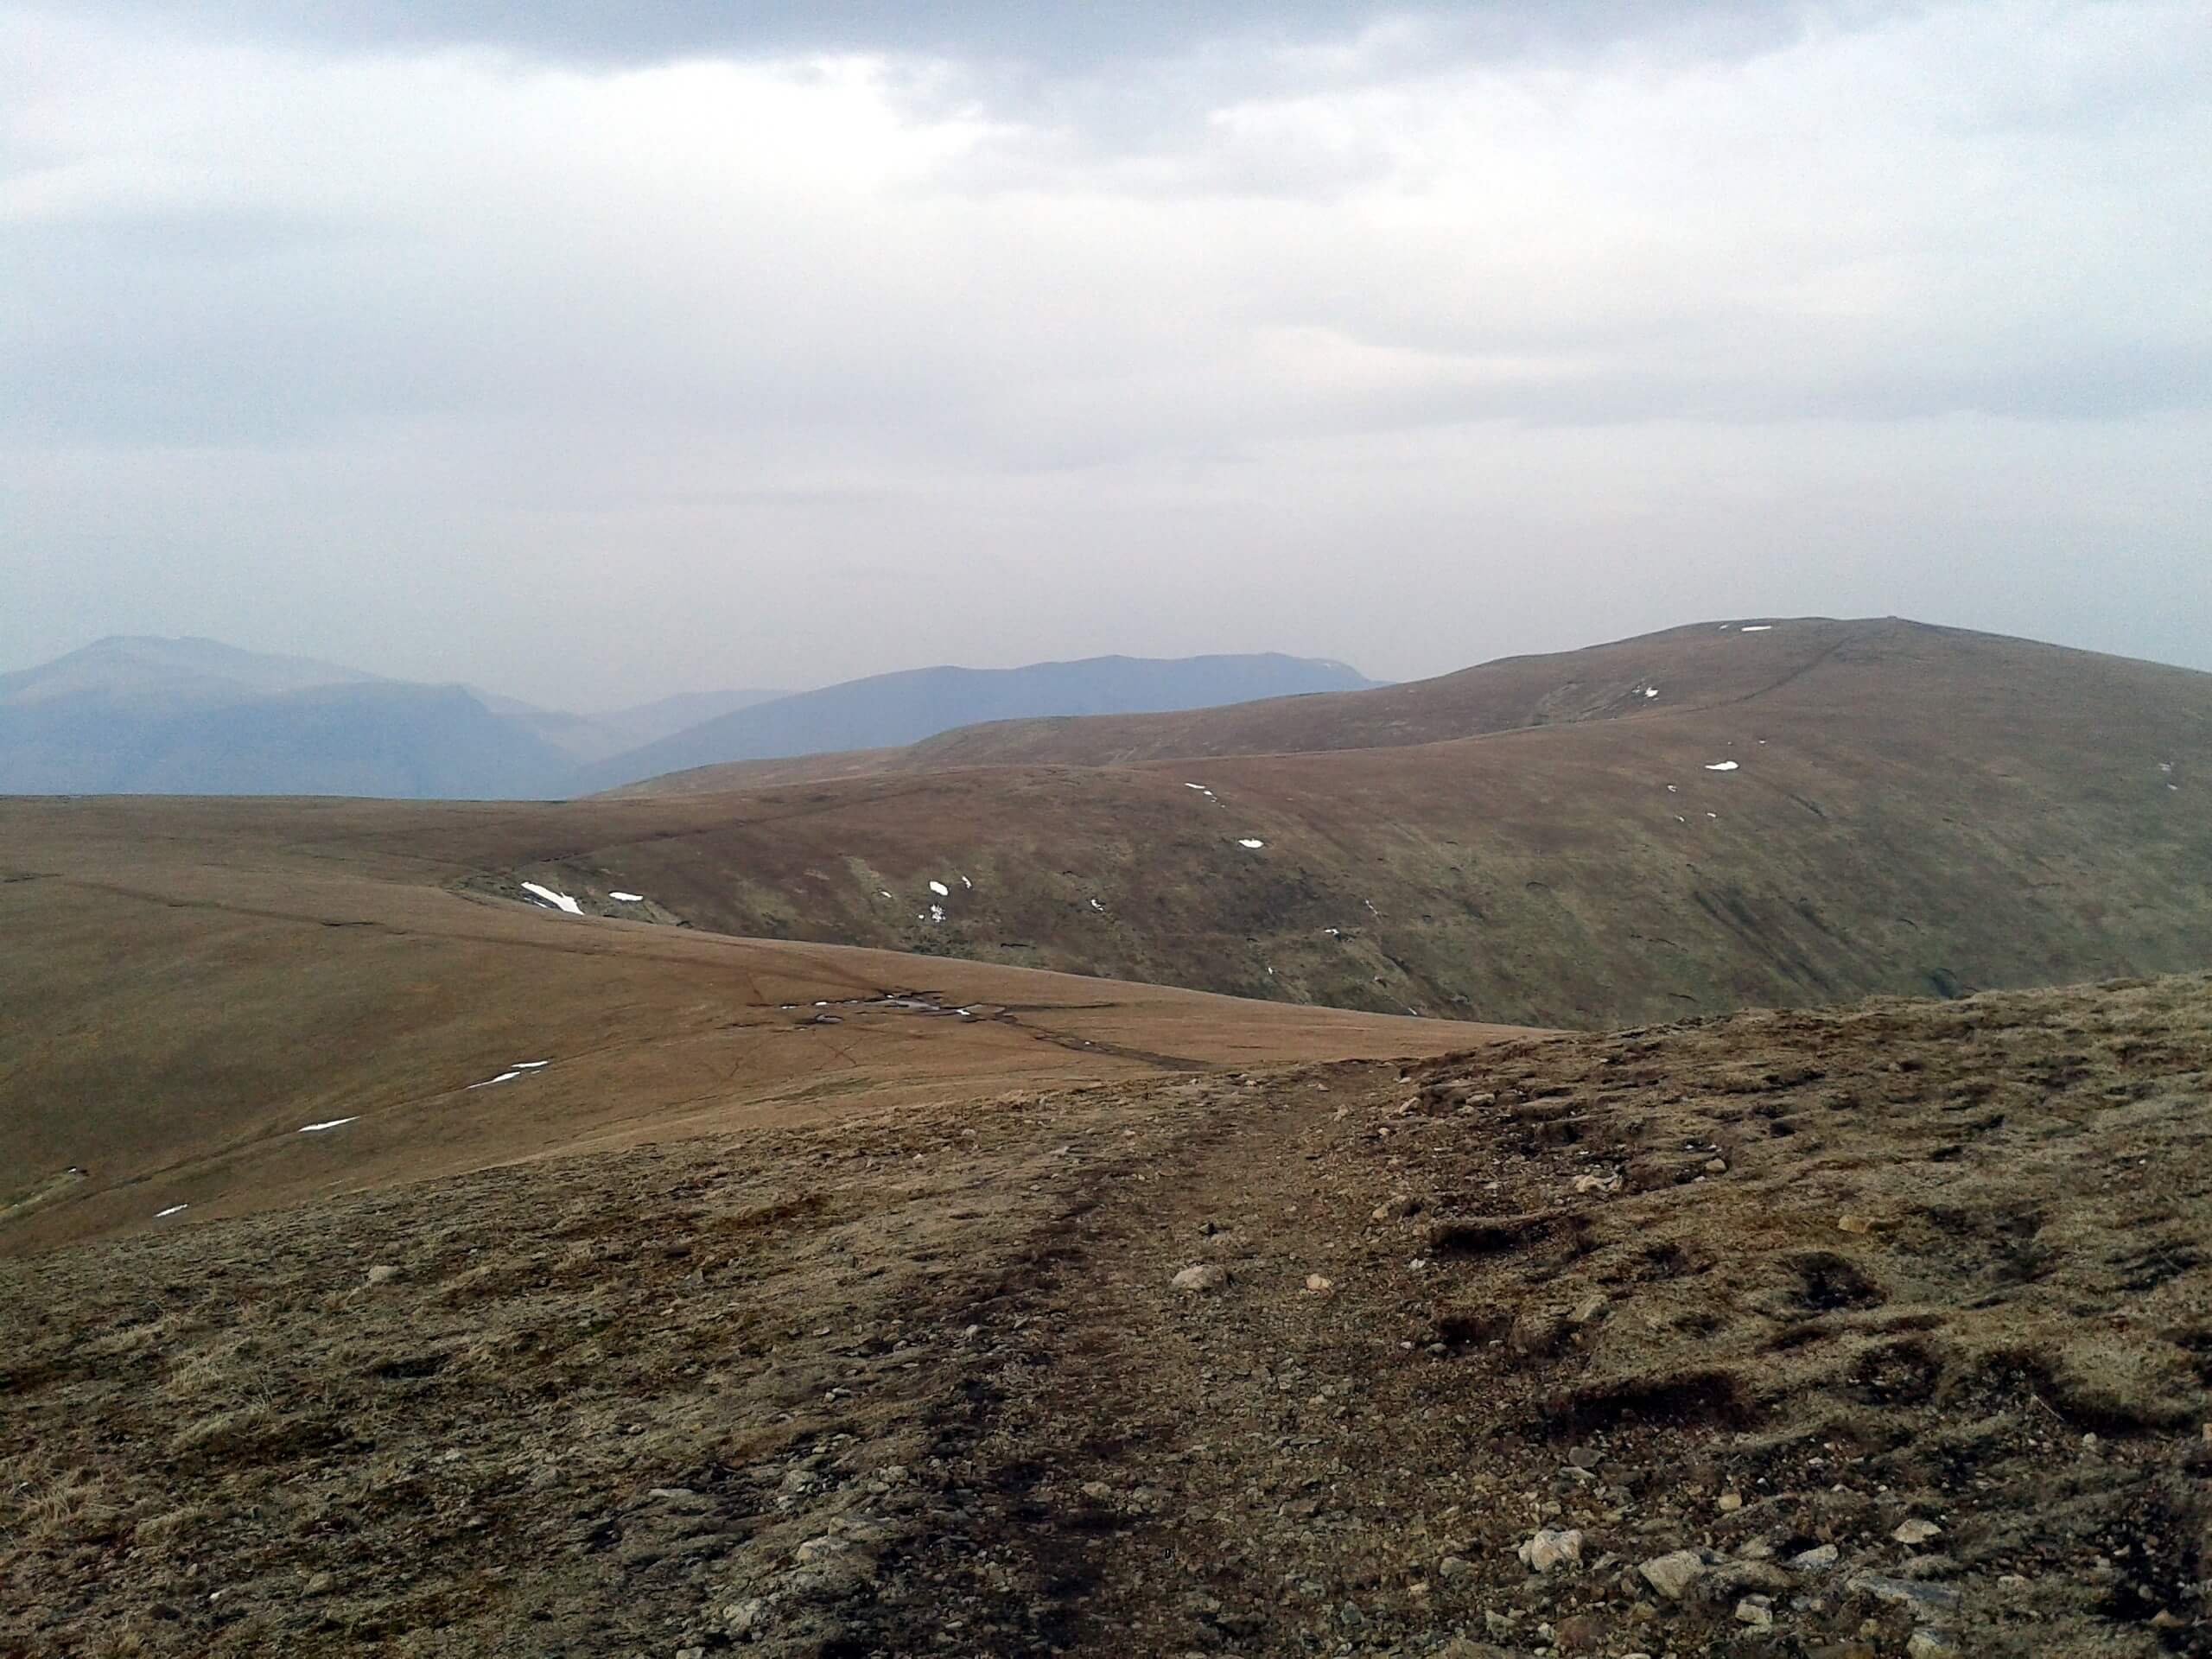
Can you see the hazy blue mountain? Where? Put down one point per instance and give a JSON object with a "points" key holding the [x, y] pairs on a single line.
{"points": [[151, 715], [587, 738], [146, 668], [888, 710], [366, 739], [665, 717], [147, 716]]}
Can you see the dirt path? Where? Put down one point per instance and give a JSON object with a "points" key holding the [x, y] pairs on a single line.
{"points": [[1861, 1334]]}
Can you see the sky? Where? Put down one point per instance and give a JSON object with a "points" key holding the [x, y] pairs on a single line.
{"points": [[591, 354]]}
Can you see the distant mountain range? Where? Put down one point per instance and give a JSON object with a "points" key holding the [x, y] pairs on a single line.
{"points": [[892, 710], [143, 715]]}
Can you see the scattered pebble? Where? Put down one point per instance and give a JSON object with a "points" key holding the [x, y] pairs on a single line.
{"points": [[1551, 1547], [1673, 1574]]}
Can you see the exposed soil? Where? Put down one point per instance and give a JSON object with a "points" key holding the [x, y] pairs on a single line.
{"points": [[1754, 1289]]}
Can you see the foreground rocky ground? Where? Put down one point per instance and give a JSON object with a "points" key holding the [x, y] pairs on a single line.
{"points": [[1875, 1333]]}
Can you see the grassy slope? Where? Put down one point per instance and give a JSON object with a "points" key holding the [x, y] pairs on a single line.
{"points": [[1914, 809], [919, 1380], [188, 983]]}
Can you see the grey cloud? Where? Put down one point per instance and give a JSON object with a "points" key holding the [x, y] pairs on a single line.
{"points": [[1019, 31], [1140, 332]]}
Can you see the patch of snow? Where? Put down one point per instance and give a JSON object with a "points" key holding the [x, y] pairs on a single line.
{"points": [[335, 1123], [2166, 766], [174, 1209], [1650, 691], [532, 1065], [886, 895], [1094, 905], [1251, 844], [940, 889], [1201, 788], [559, 900], [627, 898], [936, 912], [1334, 932], [1679, 818], [1713, 814], [966, 883], [1672, 790], [1756, 628], [1721, 766], [504, 1076]]}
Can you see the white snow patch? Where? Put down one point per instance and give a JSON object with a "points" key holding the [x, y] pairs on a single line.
{"points": [[1094, 905], [1673, 790], [1721, 766], [1251, 843], [558, 901], [936, 912], [886, 895], [627, 898], [1756, 628], [504, 1076], [1715, 816], [966, 883], [174, 1209], [1650, 691], [940, 889], [2166, 766], [1334, 932], [335, 1123], [532, 1065]]}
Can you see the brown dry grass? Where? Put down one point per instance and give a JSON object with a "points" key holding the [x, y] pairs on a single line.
{"points": [[605, 1400]]}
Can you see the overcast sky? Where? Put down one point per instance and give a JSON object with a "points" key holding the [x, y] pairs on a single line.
{"points": [[592, 352]]}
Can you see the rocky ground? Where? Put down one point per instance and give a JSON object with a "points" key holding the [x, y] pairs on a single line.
{"points": [[1881, 1331]]}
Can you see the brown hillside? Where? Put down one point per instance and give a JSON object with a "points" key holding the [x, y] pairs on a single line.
{"points": [[1686, 667], [189, 984], [1910, 809]]}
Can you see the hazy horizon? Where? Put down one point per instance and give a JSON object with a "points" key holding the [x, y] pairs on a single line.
{"points": [[593, 360]]}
